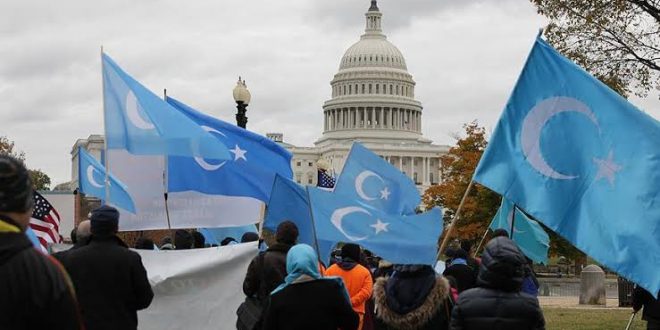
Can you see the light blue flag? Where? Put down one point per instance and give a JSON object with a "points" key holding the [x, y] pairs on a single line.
{"points": [[91, 180], [139, 121], [372, 180], [399, 239], [250, 172], [288, 201], [581, 159], [533, 241], [216, 235]]}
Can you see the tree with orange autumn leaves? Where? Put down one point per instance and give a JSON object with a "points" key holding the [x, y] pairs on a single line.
{"points": [[457, 168]]}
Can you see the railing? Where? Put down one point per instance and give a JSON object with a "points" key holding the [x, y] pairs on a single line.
{"points": [[555, 287]]}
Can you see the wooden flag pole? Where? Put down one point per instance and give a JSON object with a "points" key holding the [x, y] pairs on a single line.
{"points": [[453, 224], [476, 251]]}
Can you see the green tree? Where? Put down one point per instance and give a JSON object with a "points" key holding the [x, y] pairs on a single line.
{"points": [[457, 168], [40, 180], [618, 41]]}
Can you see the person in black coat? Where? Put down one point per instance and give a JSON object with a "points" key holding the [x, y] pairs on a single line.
{"points": [[306, 300], [268, 270], [651, 314], [34, 289], [413, 298], [459, 269], [497, 303], [110, 279]]}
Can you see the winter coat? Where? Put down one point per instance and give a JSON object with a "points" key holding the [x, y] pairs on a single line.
{"points": [[358, 282], [463, 274], [651, 305], [318, 304], [35, 291], [433, 314], [266, 271], [497, 303], [110, 281]]}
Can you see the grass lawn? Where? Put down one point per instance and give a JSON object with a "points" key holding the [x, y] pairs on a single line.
{"points": [[585, 319]]}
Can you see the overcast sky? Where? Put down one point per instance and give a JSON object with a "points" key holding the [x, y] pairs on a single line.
{"points": [[464, 55]]}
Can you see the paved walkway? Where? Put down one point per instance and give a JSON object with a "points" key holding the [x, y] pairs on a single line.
{"points": [[573, 302]]}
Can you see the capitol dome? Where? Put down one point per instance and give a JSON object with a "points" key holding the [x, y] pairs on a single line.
{"points": [[373, 52], [373, 95]]}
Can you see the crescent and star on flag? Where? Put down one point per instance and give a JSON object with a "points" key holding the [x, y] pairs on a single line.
{"points": [[133, 115], [530, 137]]}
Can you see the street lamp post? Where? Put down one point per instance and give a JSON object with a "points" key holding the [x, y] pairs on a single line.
{"points": [[242, 97]]}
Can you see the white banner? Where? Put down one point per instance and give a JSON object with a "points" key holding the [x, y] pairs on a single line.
{"points": [[143, 177], [191, 209], [196, 289]]}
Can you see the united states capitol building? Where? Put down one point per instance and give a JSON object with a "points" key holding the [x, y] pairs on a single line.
{"points": [[373, 102]]}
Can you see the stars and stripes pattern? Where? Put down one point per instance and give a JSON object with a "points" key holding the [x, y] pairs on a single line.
{"points": [[45, 221], [325, 180]]}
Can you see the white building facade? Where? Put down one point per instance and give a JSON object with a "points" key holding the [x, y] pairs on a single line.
{"points": [[373, 102]]}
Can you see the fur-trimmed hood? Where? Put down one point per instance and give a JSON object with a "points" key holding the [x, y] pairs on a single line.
{"points": [[416, 318]]}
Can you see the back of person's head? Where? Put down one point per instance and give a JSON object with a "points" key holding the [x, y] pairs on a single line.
{"points": [[104, 221], [287, 233], [74, 238], [351, 251], [228, 241], [84, 231], [249, 237], [144, 243], [301, 259], [183, 240], [466, 245], [16, 199], [500, 233], [502, 265], [198, 240], [460, 254], [166, 243]]}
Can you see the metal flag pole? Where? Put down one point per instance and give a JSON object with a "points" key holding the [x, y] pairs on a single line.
{"points": [[631, 320], [166, 183], [457, 217], [513, 221], [105, 140]]}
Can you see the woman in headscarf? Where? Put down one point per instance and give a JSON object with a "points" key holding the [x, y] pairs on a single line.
{"points": [[413, 298], [306, 300]]}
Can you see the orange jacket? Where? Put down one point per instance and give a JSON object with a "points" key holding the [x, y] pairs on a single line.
{"points": [[358, 283]]}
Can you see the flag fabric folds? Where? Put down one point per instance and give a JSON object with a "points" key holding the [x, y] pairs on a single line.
{"points": [[373, 181], [399, 239], [91, 180], [139, 121], [581, 159], [45, 221], [255, 160], [533, 241], [288, 201]]}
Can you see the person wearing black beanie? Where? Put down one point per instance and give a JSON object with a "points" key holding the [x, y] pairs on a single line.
{"points": [[32, 284], [110, 279]]}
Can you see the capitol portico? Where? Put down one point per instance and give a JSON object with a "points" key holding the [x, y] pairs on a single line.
{"points": [[373, 102]]}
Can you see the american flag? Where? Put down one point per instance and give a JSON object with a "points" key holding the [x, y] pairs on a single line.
{"points": [[325, 180], [45, 221]]}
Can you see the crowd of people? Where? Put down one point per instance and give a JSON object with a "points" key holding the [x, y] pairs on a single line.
{"points": [[101, 284], [297, 292]]}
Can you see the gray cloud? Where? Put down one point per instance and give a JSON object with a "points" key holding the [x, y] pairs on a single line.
{"points": [[464, 55]]}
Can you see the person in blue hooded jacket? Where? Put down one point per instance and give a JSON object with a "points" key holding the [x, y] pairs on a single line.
{"points": [[306, 300]]}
